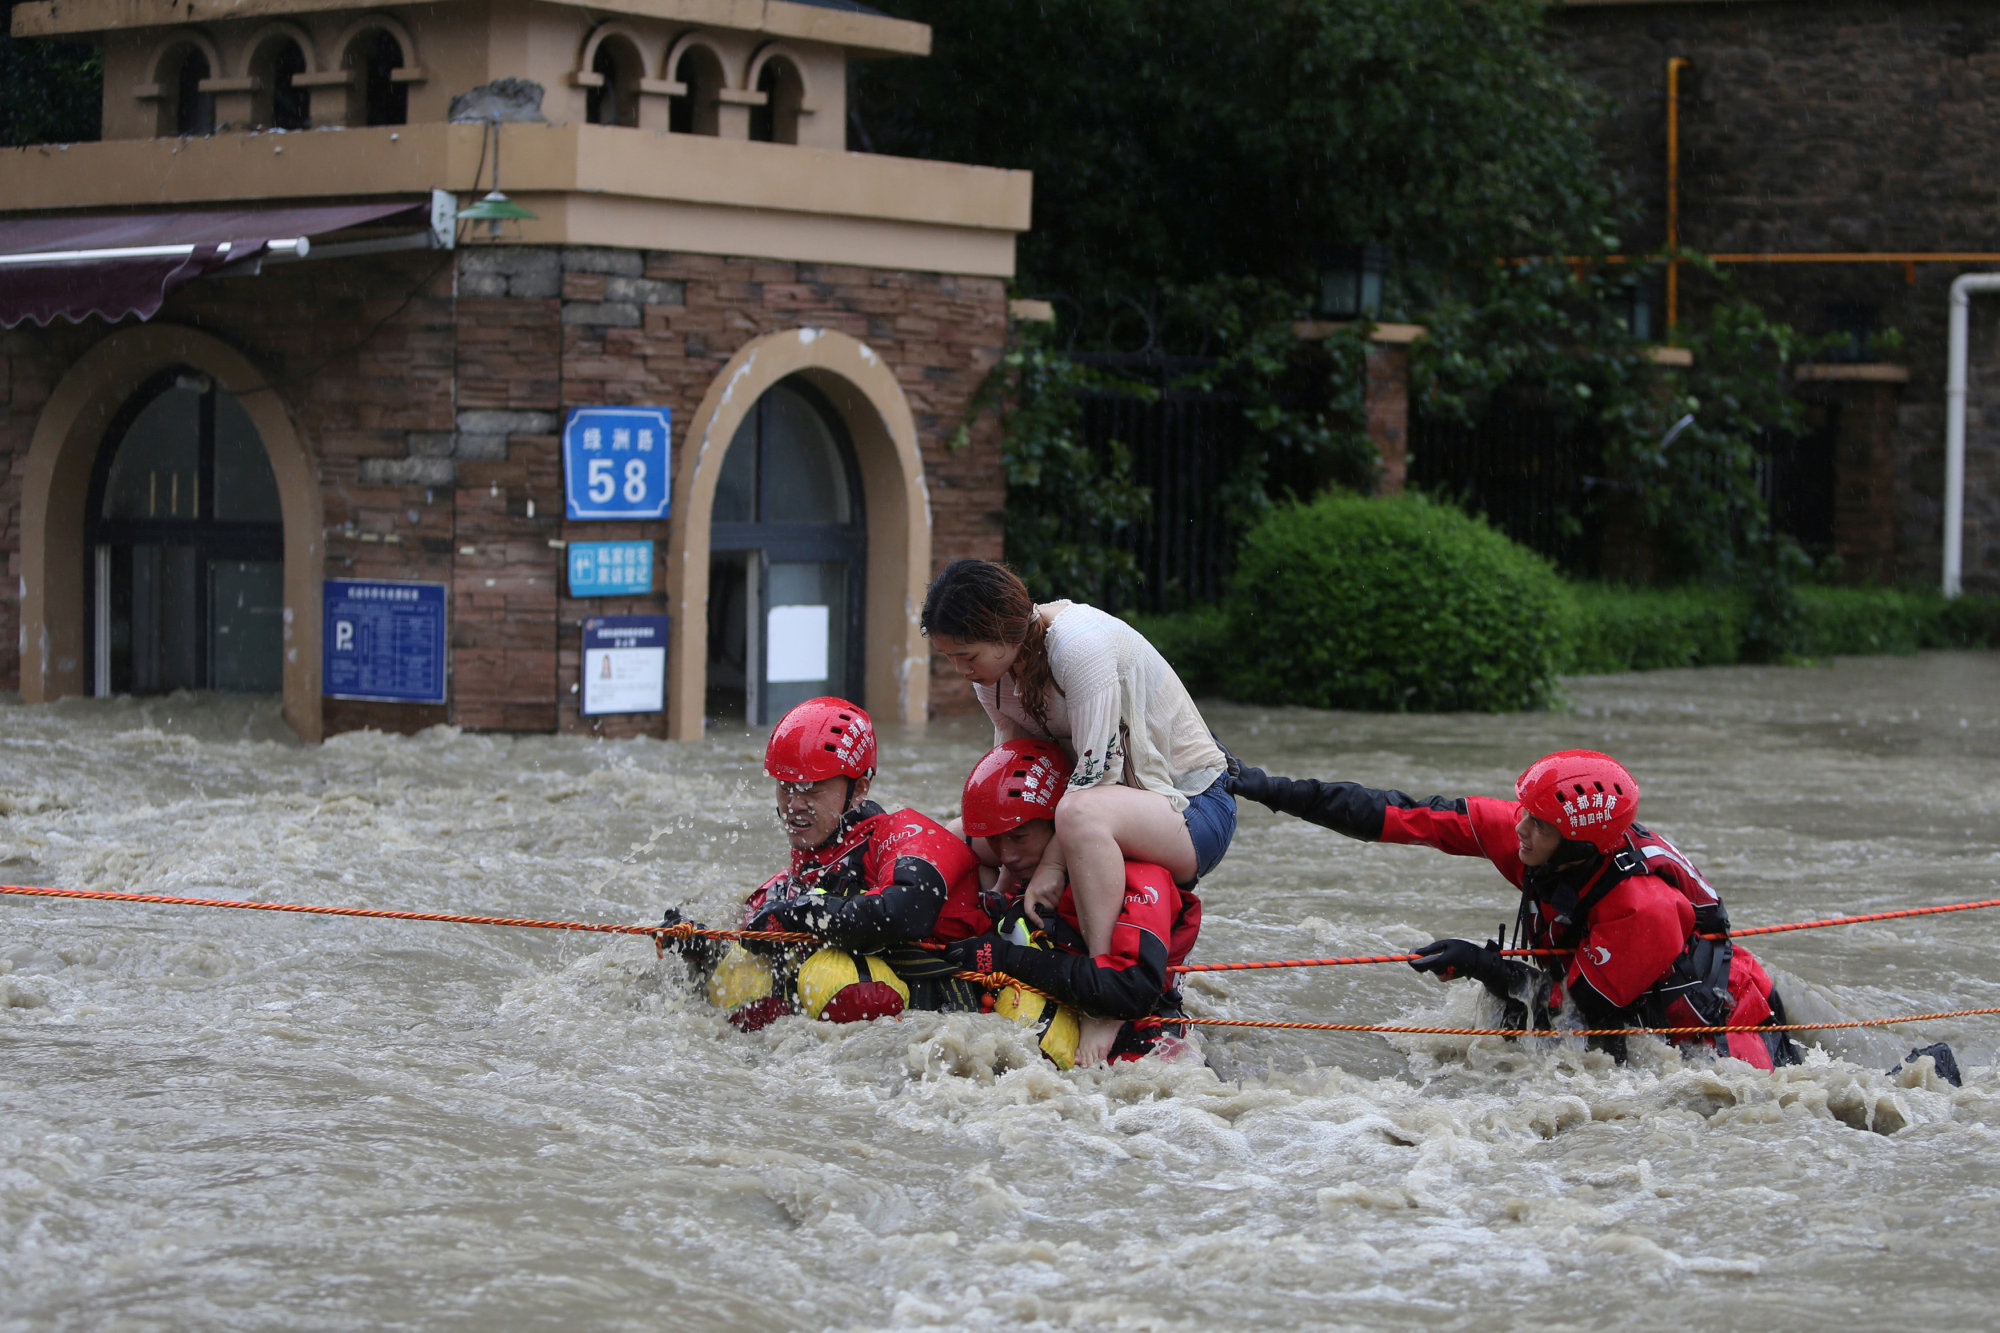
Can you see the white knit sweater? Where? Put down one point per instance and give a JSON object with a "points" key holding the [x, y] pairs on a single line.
{"points": [[1118, 709]]}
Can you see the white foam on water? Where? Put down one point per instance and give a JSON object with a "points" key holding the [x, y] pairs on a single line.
{"points": [[239, 1120]]}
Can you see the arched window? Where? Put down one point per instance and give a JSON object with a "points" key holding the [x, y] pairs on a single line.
{"points": [[376, 97], [694, 111], [188, 545], [616, 100], [788, 549], [280, 104], [186, 109], [777, 121]]}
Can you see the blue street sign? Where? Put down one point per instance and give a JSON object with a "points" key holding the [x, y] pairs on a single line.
{"points": [[384, 641], [615, 462], [610, 569]]}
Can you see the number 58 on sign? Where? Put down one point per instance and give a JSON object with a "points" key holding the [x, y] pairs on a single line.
{"points": [[615, 462]]}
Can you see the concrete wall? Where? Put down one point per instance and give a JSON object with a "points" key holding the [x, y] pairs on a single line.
{"points": [[430, 388], [1831, 125]]}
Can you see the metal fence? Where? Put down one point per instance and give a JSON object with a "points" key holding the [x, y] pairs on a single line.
{"points": [[1532, 474], [1190, 448], [1542, 481]]}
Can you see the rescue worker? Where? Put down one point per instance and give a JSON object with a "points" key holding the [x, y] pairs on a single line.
{"points": [[875, 886], [1647, 934], [1011, 799]]}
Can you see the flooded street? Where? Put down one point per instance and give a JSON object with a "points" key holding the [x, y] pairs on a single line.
{"points": [[247, 1120]]}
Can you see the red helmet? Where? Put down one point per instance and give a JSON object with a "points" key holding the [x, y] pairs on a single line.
{"points": [[1017, 781], [821, 739], [1588, 796]]}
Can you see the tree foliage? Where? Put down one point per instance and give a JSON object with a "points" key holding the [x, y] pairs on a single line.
{"points": [[50, 91], [1173, 144]]}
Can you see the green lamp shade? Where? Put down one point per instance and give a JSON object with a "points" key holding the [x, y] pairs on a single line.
{"points": [[495, 207]]}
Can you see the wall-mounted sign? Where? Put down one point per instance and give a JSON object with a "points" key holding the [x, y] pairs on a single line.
{"points": [[796, 644], [615, 462], [624, 664], [384, 641], [610, 569]]}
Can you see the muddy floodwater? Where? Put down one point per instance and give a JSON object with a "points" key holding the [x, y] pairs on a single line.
{"points": [[242, 1120]]}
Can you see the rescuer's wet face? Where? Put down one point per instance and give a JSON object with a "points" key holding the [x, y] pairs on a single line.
{"points": [[811, 811], [1021, 849], [1539, 839]]}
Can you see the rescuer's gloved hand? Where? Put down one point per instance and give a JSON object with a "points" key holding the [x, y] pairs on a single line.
{"points": [[697, 950], [1450, 959], [1242, 780], [980, 953], [800, 915], [1230, 763]]}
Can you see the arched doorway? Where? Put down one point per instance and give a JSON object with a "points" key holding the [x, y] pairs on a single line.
{"points": [[84, 413], [186, 540], [859, 396], [788, 545]]}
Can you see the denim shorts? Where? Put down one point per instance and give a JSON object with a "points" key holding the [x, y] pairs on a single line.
{"points": [[1211, 822]]}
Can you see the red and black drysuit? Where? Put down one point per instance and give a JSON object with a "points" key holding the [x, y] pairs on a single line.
{"points": [[1635, 918], [883, 884], [1157, 925]]}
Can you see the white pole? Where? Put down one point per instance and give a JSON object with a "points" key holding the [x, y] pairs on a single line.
{"points": [[1954, 422]]}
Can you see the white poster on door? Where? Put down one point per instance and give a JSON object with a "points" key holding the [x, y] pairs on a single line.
{"points": [[796, 640]]}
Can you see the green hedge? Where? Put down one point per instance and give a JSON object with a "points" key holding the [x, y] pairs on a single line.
{"points": [[1393, 603], [1399, 603]]}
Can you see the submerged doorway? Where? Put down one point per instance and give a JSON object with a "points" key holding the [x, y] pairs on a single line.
{"points": [[185, 540], [787, 558]]}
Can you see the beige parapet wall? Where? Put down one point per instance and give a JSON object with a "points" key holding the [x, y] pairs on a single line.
{"points": [[863, 34], [588, 184]]}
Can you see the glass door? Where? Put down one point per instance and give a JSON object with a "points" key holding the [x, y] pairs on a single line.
{"points": [[788, 549], [187, 541]]}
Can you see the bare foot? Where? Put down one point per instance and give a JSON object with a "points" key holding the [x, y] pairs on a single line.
{"points": [[1093, 1042]]}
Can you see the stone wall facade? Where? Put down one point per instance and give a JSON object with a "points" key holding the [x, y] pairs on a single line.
{"points": [[431, 390], [1832, 126]]}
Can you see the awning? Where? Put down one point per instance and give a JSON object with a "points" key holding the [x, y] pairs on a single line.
{"points": [[125, 264]]}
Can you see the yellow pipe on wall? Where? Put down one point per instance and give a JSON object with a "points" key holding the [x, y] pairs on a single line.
{"points": [[1675, 65]]}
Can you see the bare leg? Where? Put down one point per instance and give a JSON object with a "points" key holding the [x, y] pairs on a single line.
{"points": [[1098, 829]]}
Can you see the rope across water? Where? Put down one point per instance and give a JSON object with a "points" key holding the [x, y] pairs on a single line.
{"points": [[996, 980]]}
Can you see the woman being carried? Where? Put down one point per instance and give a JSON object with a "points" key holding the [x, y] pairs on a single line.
{"points": [[1148, 778]]}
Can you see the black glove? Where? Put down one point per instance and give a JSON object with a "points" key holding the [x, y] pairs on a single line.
{"points": [[699, 951], [1243, 780], [1230, 763], [1506, 979], [980, 953], [794, 915], [1451, 959]]}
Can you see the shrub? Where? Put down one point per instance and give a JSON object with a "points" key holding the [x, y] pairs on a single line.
{"points": [[1643, 629], [1392, 603], [1194, 642]]}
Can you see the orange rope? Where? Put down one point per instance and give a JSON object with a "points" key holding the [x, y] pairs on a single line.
{"points": [[683, 931], [996, 980], [1585, 1032], [1343, 962], [1551, 953], [1855, 920]]}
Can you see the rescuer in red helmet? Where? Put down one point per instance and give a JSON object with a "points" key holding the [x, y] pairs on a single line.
{"points": [[874, 886], [1010, 799], [1636, 914]]}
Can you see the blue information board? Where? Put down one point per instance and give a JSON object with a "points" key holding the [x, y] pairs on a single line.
{"points": [[615, 462], [385, 641], [610, 569], [624, 664]]}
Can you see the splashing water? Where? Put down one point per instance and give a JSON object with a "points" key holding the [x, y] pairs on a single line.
{"points": [[213, 1121]]}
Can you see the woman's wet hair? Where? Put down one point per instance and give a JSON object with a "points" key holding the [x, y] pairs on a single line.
{"points": [[979, 601]]}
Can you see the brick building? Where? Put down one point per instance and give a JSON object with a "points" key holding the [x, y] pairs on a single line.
{"points": [[1833, 153], [180, 478]]}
